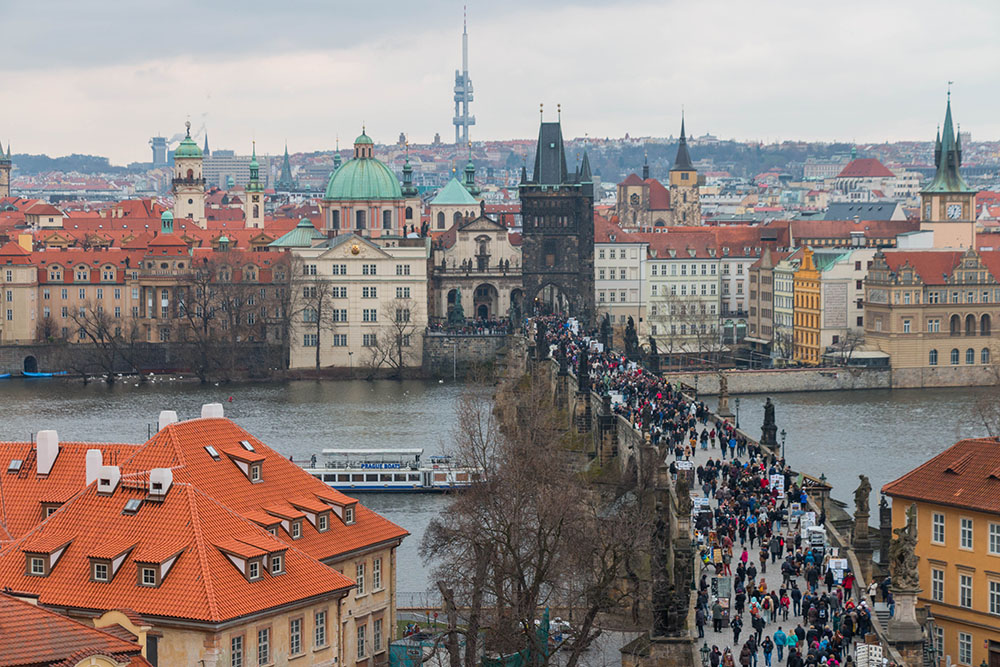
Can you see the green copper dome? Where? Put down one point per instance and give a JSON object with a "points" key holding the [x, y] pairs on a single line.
{"points": [[363, 178], [363, 139], [187, 149]]}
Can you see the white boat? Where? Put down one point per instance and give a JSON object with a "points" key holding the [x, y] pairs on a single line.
{"points": [[389, 470]]}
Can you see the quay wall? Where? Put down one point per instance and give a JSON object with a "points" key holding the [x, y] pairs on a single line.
{"points": [[772, 381], [448, 355]]}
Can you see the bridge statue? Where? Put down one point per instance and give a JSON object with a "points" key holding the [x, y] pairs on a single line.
{"points": [[607, 335], [769, 431], [631, 340], [456, 314]]}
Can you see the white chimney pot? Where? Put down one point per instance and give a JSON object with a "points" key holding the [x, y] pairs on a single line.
{"points": [[212, 411], [110, 474], [167, 417], [46, 450], [94, 461], [160, 481]]}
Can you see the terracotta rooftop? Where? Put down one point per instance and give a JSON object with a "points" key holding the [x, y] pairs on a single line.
{"points": [[32, 635], [965, 475], [865, 168], [933, 266]]}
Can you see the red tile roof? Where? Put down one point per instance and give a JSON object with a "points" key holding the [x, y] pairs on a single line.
{"points": [[202, 583], [12, 253], [933, 266], [181, 446], [866, 167], [32, 635], [659, 196], [631, 179], [965, 475]]}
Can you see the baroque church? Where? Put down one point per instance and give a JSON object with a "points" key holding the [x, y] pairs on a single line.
{"points": [[645, 203]]}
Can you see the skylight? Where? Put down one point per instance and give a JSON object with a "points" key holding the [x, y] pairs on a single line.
{"points": [[132, 506], [247, 446], [15, 465], [211, 452]]}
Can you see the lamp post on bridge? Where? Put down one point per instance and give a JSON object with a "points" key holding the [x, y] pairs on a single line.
{"points": [[783, 444], [737, 412]]}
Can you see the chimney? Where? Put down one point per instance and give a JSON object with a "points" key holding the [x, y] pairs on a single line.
{"points": [[212, 411], [167, 417], [108, 478], [160, 480], [94, 461], [46, 450]]}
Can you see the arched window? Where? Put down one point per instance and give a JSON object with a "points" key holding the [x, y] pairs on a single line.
{"points": [[457, 218], [359, 219], [932, 358], [985, 325], [955, 326], [441, 220], [387, 219], [409, 213], [970, 325], [190, 174], [256, 210], [970, 356], [954, 356], [984, 356], [334, 219]]}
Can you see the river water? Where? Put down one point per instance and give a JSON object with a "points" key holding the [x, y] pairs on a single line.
{"points": [[881, 433]]}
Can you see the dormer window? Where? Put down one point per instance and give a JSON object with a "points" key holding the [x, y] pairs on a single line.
{"points": [[253, 569], [277, 564], [349, 515], [100, 570], [323, 522], [147, 576], [296, 529], [37, 566], [255, 472]]}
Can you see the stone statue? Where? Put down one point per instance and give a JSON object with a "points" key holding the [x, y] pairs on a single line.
{"points": [[563, 358], [768, 412], [541, 344], [653, 358], [769, 431], [456, 315], [653, 352], [631, 340], [606, 333], [583, 370], [903, 559], [861, 496]]}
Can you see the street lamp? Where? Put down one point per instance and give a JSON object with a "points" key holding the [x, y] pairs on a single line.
{"points": [[696, 387], [737, 412], [705, 651], [783, 444]]}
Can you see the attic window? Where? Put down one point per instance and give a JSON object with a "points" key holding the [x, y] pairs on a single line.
{"points": [[323, 522], [349, 515], [212, 452], [36, 566], [277, 564], [247, 446], [254, 472], [253, 569], [100, 570], [132, 506], [15, 465], [296, 529], [148, 576]]}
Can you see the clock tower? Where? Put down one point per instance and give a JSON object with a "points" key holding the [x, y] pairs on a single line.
{"points": [[948, 204]]}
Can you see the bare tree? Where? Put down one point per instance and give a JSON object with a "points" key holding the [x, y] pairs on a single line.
{"points": [[312, 307], [113, 342], [783, 342], [846, 345], [397, 333], [47, 330], [687, 327]]}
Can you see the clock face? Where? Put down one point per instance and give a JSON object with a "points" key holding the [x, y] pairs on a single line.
{"points": [[954, 211], [634, 199]]}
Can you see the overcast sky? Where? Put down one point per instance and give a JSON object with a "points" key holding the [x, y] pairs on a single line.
{"points": [[102, 76]]}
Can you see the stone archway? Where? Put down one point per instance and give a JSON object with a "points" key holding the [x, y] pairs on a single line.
{"points": [[550, 299], [30, 364], [485, 301]]}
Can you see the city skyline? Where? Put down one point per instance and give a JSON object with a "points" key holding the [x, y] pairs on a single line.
{"points": [[615, 70]]}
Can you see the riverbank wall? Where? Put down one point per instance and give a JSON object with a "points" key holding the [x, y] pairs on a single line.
{"points": [[458, 356], [774, 381]]}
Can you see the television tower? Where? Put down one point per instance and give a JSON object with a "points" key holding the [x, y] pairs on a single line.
{"points": [[463, 92]]}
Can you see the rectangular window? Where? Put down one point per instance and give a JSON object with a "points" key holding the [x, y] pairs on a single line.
{"points": [[368, 269], [937, 528], [148, 576], [965, 590], [906, 326], [100, 572], [295, 636], [296, 530], [319, 636], [600, 274], [369, 292], [340, 340], [360, 578], [377, 574], [369, 340], [995, 598], [277, 564], [236, 651], [309, 269], [402, 269], [964, 648], [966, 533], [402, 292], [377, 634], [37, 566], [994, 546], [310, 340], [361, 642], [253, 570], [263, 646], [937, 585], [339, 314], [322, 523], [369, 315]]}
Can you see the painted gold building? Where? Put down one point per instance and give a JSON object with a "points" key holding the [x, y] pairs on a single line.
{"points": [[807, 312], [958, 544]]}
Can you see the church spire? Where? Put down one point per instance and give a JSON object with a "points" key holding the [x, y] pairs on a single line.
{"points": [[205, 151], [645, 163], [470, 175], [682, 162], [285, 181], [948, 158]]}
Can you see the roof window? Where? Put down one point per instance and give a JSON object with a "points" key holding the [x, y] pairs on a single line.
{"points": [[247, 446], [132, 506], [15, 465], [212, 452]]}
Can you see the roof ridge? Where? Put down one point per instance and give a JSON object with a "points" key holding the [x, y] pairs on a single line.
{"points": [[199, 545]]}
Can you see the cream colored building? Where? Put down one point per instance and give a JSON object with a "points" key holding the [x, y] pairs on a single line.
{"points": [[370, 300], [18, 290], [619, 276], [189, 181]]}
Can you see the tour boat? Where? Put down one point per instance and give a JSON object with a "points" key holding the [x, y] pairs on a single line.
{"points": [[389, 470]]}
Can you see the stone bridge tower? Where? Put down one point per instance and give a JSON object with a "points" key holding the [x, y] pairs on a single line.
{"points": [[557, 212]]}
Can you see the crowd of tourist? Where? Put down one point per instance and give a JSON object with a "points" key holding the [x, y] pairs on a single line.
{"points": [[746, 527], [471, 327]]}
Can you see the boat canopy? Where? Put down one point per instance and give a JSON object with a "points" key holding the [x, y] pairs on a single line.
{"points": [[372, 452]]}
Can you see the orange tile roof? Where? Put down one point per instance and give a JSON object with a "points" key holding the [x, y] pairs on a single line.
{"points": [[965, 475], [23, 493], [933, 266], [202, 584], [181, 446], [866, 167], [33, 635]]}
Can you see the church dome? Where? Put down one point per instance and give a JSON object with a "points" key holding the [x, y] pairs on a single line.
{"points": [[363, 177], [187, 148]]}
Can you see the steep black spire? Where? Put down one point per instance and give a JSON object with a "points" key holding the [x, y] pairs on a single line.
{"points": [[285, 181], [585, 175], [683, 160], [550, 156], [645, 163]]}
